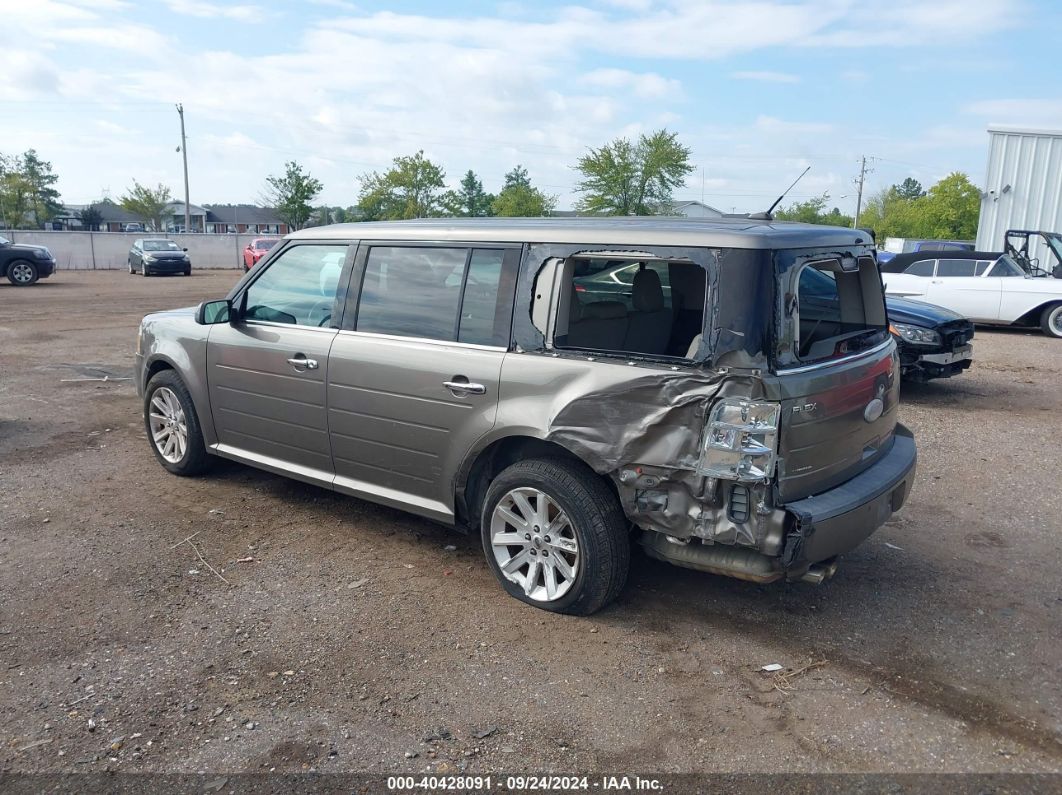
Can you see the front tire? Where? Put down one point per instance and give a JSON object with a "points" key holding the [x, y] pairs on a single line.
{"points": [[143, 269], [1051, 320], [173, 426], [22, 273], [555, 536]]}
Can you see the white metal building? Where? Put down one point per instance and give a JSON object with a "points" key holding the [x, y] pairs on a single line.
{"points": [[1023, 186]]}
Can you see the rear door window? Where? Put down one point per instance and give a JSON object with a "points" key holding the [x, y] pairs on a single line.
{"points": [[922, 268], [447, 294]]}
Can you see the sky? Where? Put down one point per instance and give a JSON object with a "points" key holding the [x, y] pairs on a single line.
{"points": [[758, 90]]}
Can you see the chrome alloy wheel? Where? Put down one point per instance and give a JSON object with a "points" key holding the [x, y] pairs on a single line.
{"points": [[169, 431], [22, 272], [535, 544]]}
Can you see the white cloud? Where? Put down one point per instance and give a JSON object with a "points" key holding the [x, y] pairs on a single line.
{"points": [[201, 8], [646, 85], [1045, 112], [766, 77]]}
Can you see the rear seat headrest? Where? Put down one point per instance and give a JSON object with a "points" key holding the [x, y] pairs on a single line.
{"points": [[604, 310], [647, 294]]}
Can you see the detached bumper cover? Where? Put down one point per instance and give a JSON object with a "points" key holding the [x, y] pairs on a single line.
{"points": [[840, 519]]}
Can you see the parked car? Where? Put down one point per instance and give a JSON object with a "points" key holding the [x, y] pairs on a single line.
{"points": [[986, 287], [133, 228], [24, 264], [453, 369], [151, 257], [257, 249], [905, 245]]}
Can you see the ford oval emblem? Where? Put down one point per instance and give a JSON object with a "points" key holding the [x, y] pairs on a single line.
{"points": [[873, 410]]}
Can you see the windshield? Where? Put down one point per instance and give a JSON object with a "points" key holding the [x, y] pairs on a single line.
{"points": [[265, 245], [1055, 242], [160, 245]]}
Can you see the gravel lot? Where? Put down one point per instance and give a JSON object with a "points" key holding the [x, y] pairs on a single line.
{"points": [[349, 637]]}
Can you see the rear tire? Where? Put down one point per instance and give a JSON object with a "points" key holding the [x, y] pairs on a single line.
{"points": [[169, 413], [555, 507], [188, 272], [22, 273], [1051, 320]]}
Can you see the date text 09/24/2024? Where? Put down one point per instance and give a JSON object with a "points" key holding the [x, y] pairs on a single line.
{"points": [[522, 783]]}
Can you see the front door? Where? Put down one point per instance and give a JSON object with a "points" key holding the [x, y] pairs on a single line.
{"points": [[960, 286], [267, 370], [414, 375]]}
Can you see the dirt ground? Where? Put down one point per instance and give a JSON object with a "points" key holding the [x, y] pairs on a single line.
{"points": [[350, 637]]}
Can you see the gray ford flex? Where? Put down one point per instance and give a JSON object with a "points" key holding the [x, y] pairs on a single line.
{"points": [[561, 387]]}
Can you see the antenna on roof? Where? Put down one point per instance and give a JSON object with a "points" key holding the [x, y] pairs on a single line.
{"points": [[767, 215]]}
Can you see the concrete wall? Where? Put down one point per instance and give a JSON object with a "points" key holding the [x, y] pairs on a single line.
{"points": [[110, 250]]}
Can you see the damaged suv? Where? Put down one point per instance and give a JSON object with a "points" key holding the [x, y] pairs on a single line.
{"points": [[562, 388]]}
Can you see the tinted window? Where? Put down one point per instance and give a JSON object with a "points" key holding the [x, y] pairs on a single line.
{"points": [[412, 292], [982, 266], [486, 310], [299, 287], [923, 268], [957, 267]]}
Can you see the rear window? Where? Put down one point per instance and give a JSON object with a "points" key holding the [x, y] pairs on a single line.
{"points": [[649, 307], [837, 311]]}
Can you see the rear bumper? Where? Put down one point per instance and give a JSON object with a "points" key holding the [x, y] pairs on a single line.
{"points": [[840, 519]]}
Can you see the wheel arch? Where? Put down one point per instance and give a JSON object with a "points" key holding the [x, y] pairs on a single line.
{"points": [[483, 465], [1032, 317]]}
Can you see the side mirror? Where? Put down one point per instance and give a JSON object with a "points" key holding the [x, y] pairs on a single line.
{"points": [[184, 249], [210, 312]]}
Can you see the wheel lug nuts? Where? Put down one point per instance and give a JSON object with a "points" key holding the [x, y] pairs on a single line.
{"points": [[533, 552], [546, 539], [527, 536]]}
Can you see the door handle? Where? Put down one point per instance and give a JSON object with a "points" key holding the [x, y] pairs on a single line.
{"points": [[465, 388], [299, 360]]}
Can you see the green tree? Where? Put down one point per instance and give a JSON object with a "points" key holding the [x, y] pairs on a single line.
{"points": [[517, 178], [952, 208], [15, 192], [412, 188], [949, 210], [470, 200], [910, 188], [91, 218], [633, 178], [520, 199], [147, 204], [292, 194], [43, 197], [813, 211]]}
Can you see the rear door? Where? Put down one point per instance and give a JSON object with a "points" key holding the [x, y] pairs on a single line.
{"points": [[267, 370], [839, 393], [414, 375]]}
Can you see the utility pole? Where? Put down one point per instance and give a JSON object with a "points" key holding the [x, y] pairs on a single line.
{"points": [[863, 171], [184, 154]]}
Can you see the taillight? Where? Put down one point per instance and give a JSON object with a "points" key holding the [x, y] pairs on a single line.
{"points": [[741, 440]]}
